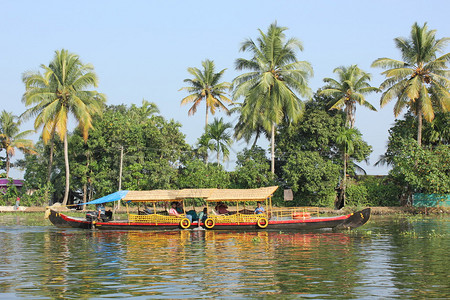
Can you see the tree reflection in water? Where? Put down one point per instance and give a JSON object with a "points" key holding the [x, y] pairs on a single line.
{"points": [[46, 262]]}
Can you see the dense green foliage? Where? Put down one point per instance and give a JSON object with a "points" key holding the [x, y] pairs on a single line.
{"points": [[270, 88], [423, 169], [372, 191], [317, 148], [421, 81], [252, 169], [312, 158]]}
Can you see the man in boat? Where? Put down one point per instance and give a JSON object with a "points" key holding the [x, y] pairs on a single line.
{"points": [[100, 212], [259, 209], [202, 216]]}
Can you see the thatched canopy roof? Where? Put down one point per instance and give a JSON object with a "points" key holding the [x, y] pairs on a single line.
{"points": [[258, 194]]}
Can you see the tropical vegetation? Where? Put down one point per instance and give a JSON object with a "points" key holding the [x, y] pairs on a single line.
{"points": [[270, 88], [315, 149], [350, 89], [60, 91], [11, 138], [421, 81], [206, 86]]}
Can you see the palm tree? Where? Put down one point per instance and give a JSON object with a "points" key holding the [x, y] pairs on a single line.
{"points": [[220, 138], [345, 140], [421, 81], [269, 89], [203, 146], [348, 90], [246, 129], [145, 111], [11, 138], [59, 92], [206, 86]]}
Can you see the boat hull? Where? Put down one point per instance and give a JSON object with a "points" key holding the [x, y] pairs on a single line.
{"points": [[350, 221]]}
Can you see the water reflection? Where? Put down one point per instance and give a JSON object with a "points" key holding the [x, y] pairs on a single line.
{"points": [[45, 262]]}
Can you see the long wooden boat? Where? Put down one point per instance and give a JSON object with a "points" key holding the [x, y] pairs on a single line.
{"points": [[303, 218]]}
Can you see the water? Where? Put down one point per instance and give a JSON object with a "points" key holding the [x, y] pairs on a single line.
{"points": [[390, 257]]}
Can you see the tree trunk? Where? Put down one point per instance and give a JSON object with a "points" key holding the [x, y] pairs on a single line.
{"points": [[206, 118], [8, 163], [85, 183], [218, 154], [50, 162], [350, 109], [66, 161], [272, 149], [344, 186], [419, 128]]}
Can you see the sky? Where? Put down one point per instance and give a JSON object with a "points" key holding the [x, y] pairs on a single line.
{"points": [[142, 49]]}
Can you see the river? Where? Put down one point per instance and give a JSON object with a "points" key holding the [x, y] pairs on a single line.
{"points": [[401, 257]]}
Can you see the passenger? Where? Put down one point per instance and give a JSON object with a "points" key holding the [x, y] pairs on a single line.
{"points": [[173, 212], [193, 214], [259, 209], [202, 216], [222, 208], [100, 211], [108, 215], [179, 208]]}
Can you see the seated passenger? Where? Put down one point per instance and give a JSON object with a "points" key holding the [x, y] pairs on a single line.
{"points": [[193, 214], [173, 212], [222, 208], [100, 212], [259, 209], [179, 208], [202, 216]]}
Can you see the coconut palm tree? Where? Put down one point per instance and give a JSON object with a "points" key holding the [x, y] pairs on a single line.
{"points": [[206, 86], [275, 76], [203, 146], [345, 141], [61, 91], [11, 138], [220, 138], [421, 81], [350, 88]]}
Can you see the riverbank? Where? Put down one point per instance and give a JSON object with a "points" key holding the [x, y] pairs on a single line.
{"points": [[392, 210]]}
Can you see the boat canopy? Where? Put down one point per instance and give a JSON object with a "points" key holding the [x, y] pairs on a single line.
{"points": [[210, 195], [108, 198]]}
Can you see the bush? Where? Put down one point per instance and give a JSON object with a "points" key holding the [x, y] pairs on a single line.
{"points": [[373, 191]]}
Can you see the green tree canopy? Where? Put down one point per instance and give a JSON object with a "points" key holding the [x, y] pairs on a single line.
{"points": [[11, 138], [348, 90], [421, 81], [206, 86], [62, 90], [270, 88]]}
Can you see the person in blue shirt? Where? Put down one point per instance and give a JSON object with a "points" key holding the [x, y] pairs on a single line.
{"points": [[259, 209], [100, 212]]}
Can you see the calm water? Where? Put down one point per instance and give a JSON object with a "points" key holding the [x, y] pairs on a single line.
{"points": [[390, 257]]}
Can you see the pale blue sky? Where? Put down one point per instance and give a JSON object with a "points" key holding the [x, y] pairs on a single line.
{"points": [[141, 49]]}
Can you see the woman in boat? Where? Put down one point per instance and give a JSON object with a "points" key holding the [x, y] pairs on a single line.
{"points": [[222, 208], [173, 212]]}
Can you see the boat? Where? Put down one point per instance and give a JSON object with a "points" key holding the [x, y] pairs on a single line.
{"points": [[157, 217]]}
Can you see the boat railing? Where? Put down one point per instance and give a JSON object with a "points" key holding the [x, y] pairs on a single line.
{"points": [[300, 213], [155, 218], [237, 218]]}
